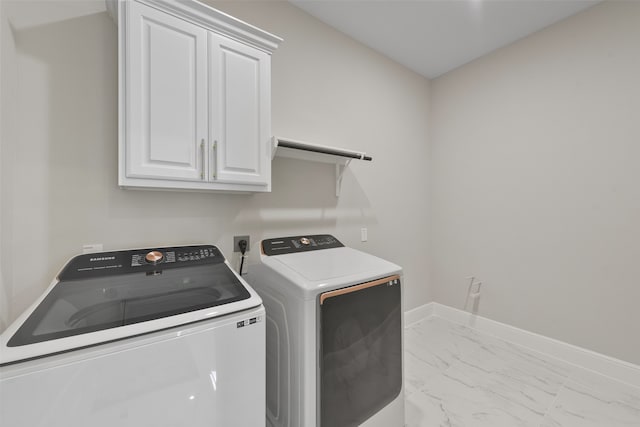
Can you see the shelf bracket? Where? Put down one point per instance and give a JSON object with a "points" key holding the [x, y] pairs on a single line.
{"points": [[319, 153], [340, 168]]}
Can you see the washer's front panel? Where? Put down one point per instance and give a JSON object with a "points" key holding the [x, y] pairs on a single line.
{"points": [[210, 374]]}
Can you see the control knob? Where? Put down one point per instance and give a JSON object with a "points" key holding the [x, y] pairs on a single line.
{"points": [[154, 257], [305, 241]]}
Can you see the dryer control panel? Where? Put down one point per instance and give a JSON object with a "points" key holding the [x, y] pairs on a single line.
{"points": [[293, 244]]}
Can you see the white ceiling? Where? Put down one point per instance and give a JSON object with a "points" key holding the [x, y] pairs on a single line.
{"points": [[432, 37]]}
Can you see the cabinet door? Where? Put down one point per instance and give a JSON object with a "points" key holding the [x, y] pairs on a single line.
{"points": [[166, 87], [240, 112]]}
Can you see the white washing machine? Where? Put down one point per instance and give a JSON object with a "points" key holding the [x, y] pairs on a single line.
{"points": [[334, 334], [150, 337]]}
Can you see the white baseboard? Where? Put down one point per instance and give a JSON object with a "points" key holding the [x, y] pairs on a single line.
{"points": [[614, 368], [417, 314]]}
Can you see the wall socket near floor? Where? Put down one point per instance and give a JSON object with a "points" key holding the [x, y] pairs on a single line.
{"points": [[89, 248], [363, 234], [236, 239]]}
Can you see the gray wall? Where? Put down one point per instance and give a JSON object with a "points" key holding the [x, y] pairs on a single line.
{"points": [[536, 184], [59, 171], [519, 168], [7, 132]]}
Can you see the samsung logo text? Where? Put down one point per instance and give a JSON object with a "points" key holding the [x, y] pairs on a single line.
{"points": [[102, 258]]}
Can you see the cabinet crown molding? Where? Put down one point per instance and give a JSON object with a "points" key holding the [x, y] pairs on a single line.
{"points": [[211, 19]]}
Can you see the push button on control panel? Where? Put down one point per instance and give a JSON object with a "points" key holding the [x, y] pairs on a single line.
{"points": [[195, 255]]}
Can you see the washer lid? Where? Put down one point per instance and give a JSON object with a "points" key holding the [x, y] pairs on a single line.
{"points": [[81, 306], [121, 296]]}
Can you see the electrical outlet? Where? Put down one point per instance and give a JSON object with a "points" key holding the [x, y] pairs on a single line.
{"points": [[90, 248], [363, 235], [236, 239]]}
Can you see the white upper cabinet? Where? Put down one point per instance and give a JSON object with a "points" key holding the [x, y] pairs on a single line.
{"points": [[195, 98], [239, 90], [166, 82]]}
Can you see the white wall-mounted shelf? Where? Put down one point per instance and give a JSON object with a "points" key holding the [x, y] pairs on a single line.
{"points": [[341, 157]]}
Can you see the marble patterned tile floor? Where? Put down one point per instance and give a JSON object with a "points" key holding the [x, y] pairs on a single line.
{"points": [[458, 377]]}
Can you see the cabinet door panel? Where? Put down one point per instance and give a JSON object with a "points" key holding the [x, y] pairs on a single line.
{"points": [[240, 99], [167, 96]]}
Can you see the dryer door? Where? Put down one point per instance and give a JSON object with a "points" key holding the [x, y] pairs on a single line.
{"points": [[361, 351]]}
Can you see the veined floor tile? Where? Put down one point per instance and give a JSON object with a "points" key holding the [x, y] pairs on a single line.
{"points": [[458, 377], [509, 352], [430, 347], [416, 408], [451, 399], [534, 376], [437, 343], [417, 372], [514, 383], [579, 406], [615, 390]]}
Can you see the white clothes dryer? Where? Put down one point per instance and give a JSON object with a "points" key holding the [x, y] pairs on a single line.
{"points": [[334, 334], [146, 337]]}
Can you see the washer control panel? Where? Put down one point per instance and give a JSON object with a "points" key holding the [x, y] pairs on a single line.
{"points": [[139, 260], [293, 244]]}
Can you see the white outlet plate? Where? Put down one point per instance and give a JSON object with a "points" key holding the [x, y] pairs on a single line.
{"points": [[363, 234], [90, 248], [236, 239]]}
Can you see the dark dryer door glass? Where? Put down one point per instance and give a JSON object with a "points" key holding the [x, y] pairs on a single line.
{"points": [[361, 339]]}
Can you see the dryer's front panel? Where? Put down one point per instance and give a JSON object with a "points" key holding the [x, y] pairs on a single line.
{"points": [[361, 351]]}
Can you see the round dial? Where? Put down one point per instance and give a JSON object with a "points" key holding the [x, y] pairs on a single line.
{"points": [[154, 257], [305, 241]]}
